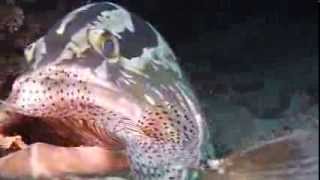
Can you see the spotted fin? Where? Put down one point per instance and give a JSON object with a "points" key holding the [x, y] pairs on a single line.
{"points": [[293, 157]]}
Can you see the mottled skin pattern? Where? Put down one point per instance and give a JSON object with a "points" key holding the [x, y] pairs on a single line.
{"points": [[109, 77]]}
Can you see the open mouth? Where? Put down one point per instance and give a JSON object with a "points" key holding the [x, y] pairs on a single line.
{"points": [[59, 109], [33, 130], [30, 129], [64, 132], [59, 144], [55, 155]]}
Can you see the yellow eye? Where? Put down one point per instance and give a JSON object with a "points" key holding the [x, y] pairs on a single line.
{"points": [[104, 43]]}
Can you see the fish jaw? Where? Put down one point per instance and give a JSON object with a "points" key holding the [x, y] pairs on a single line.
{"points": [[162, 150], [67, 97]]}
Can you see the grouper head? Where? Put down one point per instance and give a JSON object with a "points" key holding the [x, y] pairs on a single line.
{"points": [[112, 71]]}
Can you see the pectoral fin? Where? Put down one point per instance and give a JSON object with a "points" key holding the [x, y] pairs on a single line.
{"points": [[292, 157]]}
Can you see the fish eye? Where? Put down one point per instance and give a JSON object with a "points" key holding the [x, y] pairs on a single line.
{"points": [[103, 42], [29, 52], [109, 45]]}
